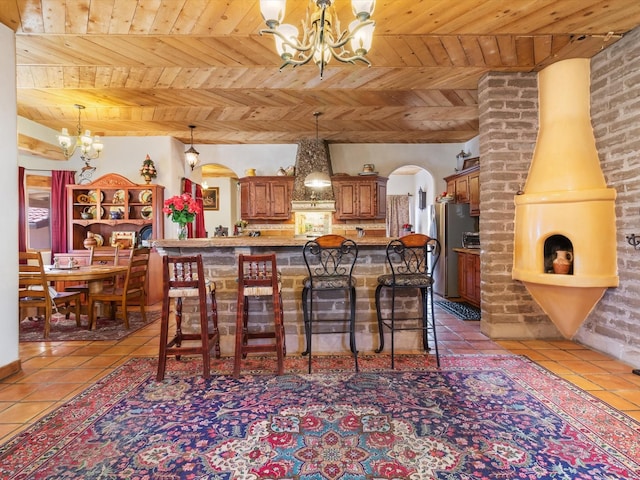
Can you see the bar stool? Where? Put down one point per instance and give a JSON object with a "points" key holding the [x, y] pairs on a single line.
{"points": [[412, 259], [330, 260], [258, 277], [183, 277]]}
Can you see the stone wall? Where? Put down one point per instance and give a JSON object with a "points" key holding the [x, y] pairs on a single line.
{"points": [[614, 324], [508, 129]]}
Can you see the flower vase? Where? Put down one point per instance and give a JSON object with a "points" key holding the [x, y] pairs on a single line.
{"points": [[147, 179], [182, 231]]}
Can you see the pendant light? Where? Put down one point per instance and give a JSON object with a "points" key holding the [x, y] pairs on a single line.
{"points": [[317, 179], [191, 155]]}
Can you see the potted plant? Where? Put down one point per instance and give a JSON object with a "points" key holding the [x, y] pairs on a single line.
{"points": [[182, 209]]}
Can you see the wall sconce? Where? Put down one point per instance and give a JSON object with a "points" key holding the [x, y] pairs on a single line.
{"points": [[422, 199]]}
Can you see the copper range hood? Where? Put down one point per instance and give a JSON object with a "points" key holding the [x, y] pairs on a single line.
{"points": [[566, 204]]}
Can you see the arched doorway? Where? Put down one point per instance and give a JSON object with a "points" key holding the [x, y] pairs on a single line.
{"points": [[419, 185]]}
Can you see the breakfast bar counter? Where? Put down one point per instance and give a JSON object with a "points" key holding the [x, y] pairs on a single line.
{"points": [[220, 258]]}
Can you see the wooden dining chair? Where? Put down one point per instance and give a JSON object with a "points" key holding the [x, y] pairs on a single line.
{"points": [[35, 292], [122, 293], [97, 256]]}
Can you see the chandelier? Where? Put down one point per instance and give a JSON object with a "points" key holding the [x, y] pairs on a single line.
{"points": [[191, 155], [90, 148], [322, 37]]}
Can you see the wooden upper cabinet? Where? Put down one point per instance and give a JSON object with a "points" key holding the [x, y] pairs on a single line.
{"points": [[464, 186], [266, 198], [361, 197]]}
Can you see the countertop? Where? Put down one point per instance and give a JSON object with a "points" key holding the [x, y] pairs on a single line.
{"points": [[471, 251], [263, 241]]}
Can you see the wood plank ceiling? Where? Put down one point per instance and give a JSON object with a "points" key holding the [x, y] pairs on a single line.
{"points": [[152, 67]]}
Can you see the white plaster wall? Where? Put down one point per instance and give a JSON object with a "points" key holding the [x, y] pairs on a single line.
{"points": [[8, 196]]}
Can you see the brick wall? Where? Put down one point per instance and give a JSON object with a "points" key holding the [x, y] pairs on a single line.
{"points": [[508, 129]]}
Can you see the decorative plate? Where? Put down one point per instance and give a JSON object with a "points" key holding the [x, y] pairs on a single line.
{"points": [[146, 212], [119, 196], [92, 195], [99, 239], [92, 211], [82, 198], [145, 196], [119, 210]]}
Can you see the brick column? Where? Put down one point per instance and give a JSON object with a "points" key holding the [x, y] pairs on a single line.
{"points": [[508, 104]]}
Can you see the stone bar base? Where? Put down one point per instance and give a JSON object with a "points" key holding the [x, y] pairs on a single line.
{"points": [[220, 258]]}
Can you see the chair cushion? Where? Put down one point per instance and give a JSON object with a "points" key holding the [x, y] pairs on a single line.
{"points": [[260, 291], [407, 280], [190, 291], [330, 282]]}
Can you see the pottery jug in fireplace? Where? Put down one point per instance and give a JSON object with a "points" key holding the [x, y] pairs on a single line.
{"points": [[562, 262]]}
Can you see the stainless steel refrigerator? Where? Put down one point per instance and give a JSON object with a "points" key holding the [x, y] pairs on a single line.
{"points": [[451, 219]]}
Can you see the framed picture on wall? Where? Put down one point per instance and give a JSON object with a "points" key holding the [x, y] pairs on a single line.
{"points": [[210, 198]]}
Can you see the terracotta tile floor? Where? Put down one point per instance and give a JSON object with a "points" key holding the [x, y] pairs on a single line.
{"points": [[52, 373]]}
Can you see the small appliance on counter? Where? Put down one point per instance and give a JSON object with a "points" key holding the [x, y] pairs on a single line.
{"points": [[470, 240]]}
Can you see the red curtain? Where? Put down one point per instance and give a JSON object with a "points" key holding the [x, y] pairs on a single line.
{"points": [[200, 231], [187, 187], [59, 181], [22, 214]]}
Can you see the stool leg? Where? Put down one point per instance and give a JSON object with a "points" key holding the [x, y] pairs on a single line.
{"points": [[352, 326], [433, 326], [393, 325], [215, 335], [425, 319], [204, 338], [279, 332], [239, 334], [178, 337], [379, 314], [164, 338]]}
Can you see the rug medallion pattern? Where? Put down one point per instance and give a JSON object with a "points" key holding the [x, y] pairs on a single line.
{"points": [[478, 417]]}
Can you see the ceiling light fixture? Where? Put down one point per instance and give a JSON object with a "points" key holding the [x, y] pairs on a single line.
{"points": [[191, 155], [317, 179], [321, 36], [90, 148]]}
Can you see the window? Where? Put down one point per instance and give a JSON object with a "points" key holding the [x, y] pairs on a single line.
{"points": [[38, 205]]}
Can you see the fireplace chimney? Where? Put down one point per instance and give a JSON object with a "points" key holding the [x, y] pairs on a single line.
{"points": [[566, 204]]}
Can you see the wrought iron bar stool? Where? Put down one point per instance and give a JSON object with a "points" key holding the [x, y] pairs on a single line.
{"points": [[258, 277], [330, 260], [183, 277], [412, 259]]}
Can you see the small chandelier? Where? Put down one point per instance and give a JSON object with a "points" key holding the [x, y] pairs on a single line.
{"points": [[321, 37], [191, 155], [90, 148]]}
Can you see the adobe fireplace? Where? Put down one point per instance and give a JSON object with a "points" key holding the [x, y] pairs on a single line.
{"points": [[566, 205]]}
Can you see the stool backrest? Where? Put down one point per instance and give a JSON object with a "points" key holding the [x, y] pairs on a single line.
{"points": [[413, 254], [183, 272], [258, 271], [330, 256]]}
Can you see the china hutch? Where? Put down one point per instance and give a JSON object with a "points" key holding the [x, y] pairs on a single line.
{"points": [[113, 210]]}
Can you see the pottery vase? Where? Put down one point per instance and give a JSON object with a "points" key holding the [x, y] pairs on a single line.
{"points": [[90, 241], [562, 262]]}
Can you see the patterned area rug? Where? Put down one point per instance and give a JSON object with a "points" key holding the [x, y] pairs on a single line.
{"points": [[462, 310], [478, 417], [63, 329]]}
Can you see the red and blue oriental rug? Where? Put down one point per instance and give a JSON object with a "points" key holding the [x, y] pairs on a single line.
{"points": [[478, 417]]}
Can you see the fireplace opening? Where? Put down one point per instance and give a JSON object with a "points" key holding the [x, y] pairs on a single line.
{"points": [[553, 245]]}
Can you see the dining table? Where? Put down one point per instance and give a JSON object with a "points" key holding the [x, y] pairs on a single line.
{"points": [[94, 275]]}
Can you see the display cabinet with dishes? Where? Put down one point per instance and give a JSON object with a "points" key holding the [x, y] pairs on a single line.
{"points": [[113, 210]]}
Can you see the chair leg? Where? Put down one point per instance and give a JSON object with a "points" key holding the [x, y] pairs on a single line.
{"points": [[305, 314], [278, 319], [216, 332], [178, 338], [433, 326], [204, 339], [393, 326], [425, 319], [380, 324]]}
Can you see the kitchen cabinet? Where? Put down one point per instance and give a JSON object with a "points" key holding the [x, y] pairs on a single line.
{"points": [[469, 276], [266, 198], [362, 197], [464, 186]]}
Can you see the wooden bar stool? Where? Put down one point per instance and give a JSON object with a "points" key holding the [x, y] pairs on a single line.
{"points": [[258, 277], [184, 277]]}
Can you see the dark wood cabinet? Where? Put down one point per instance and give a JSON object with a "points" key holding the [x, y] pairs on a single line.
{"points": [[469, 277], [361, 197], [266, 198], [464, 186]]}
